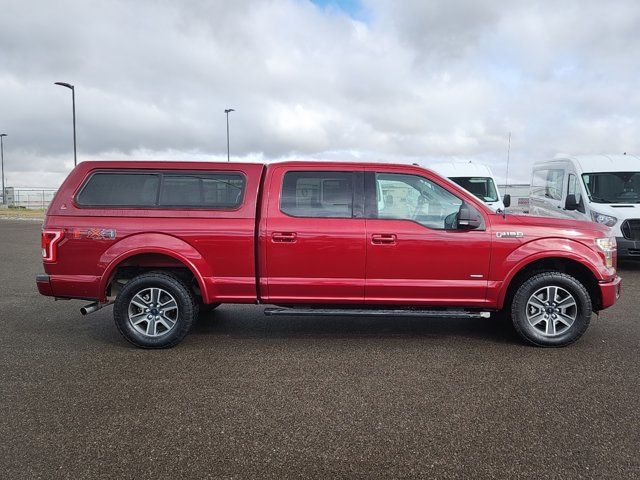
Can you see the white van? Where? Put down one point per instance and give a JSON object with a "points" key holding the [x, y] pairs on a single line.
{"points": [[599, 188], [474, 177]]}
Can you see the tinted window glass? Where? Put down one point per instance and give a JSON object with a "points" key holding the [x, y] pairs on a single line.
{"points": [[180, 191], [481, 187], [220, 190], [120, 189], [211, 190], [317, 194], [411, 197], [223, 191], [613, 187]]}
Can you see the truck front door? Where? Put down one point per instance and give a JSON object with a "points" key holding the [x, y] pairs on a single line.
{"points": [[313, 236], [416, 255]]}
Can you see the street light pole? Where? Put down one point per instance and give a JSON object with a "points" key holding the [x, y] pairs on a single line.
{"points": [[73, 104], [227, 111], [4, 197]]}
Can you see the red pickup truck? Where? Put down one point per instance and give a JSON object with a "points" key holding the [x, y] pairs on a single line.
{"points": [[163, 240]]}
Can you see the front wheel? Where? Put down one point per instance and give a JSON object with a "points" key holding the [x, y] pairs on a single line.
{"points": [[551, 309], [155, 310]]}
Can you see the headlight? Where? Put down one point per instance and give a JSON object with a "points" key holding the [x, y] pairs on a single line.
{"points": [[608, 246], [607, 220]]}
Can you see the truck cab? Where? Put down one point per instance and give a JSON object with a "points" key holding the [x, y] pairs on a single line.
{"points": [[162, 241]]}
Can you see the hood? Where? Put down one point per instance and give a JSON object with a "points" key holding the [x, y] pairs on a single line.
{"points": [[562, 224]]}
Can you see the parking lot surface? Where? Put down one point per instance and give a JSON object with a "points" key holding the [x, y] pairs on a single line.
{"points": [[249, 396]]}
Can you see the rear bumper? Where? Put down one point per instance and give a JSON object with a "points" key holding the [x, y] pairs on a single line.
{"points": [[44, 285], [610, 291], [628, 248], [84, 287]]}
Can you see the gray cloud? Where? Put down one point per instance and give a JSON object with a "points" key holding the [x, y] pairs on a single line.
{"points": [[409, 80]]}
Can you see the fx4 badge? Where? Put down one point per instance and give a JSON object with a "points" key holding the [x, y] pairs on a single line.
{"points": [[509, 234], [95, 233]]}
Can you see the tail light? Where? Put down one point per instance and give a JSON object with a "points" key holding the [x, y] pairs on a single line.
{"points": [[50, 240]]}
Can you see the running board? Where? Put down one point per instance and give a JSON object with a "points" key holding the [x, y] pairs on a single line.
{"points": [[359, 312]]}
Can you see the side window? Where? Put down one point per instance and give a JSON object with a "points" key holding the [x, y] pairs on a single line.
{"points": [[574, 188], [317, 194], [411, 197], [223, 190], [120, 189], [182, 191], [554, 184], [539, 183], [144, 190]]}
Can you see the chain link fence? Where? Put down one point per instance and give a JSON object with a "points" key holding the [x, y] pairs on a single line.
{"points": [[29, 197]]}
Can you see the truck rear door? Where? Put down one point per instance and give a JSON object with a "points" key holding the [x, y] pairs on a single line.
{"points": [[312, 237]]}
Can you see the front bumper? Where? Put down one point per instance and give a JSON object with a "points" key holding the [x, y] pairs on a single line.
{"points": [[610, 291], [628, 248]]}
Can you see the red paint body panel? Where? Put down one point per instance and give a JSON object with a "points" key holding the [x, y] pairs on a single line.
{"points": [[258, 253], [326, 261], [426, 267], [216, 245]]}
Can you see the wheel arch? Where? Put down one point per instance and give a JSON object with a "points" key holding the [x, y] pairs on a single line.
{"points": [[574, 266], [161, 245]]}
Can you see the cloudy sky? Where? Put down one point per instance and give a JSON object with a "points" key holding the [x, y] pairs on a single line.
{"points": [[372, 79]]}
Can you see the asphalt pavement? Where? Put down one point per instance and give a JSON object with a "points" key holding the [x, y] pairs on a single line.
{"points": [[249, 396]]}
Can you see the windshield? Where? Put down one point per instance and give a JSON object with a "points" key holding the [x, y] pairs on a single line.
{"points": [[481, 187], [613, 187]]}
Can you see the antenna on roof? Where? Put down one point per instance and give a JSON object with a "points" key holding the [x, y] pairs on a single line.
{"points": [[506, 180]]}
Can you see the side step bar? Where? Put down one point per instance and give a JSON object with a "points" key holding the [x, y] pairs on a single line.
{"points": [[359, 312]]}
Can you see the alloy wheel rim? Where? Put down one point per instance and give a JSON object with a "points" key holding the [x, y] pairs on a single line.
{"points": [[551, 310], [153, 312]]}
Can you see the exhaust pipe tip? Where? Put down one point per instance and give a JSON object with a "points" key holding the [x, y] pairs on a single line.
{"points": [[92, 307], [87, 309]]}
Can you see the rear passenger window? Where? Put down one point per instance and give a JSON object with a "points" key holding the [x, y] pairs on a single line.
{"points": [[317, 194], [142, 190], [120, 189]]}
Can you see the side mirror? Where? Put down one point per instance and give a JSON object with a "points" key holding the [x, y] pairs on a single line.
{"points": [[571, 203], [468, 218], [506, 200]]}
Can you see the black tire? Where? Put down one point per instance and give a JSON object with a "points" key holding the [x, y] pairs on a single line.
{"points": [[182, 317], [557, 333]]}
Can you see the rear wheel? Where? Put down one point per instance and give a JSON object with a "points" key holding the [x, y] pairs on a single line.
{"points": [[155, 310], [551, 309]]}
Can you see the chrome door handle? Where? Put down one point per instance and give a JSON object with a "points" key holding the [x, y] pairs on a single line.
{"points": [[283, 237], [383, 238]]}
